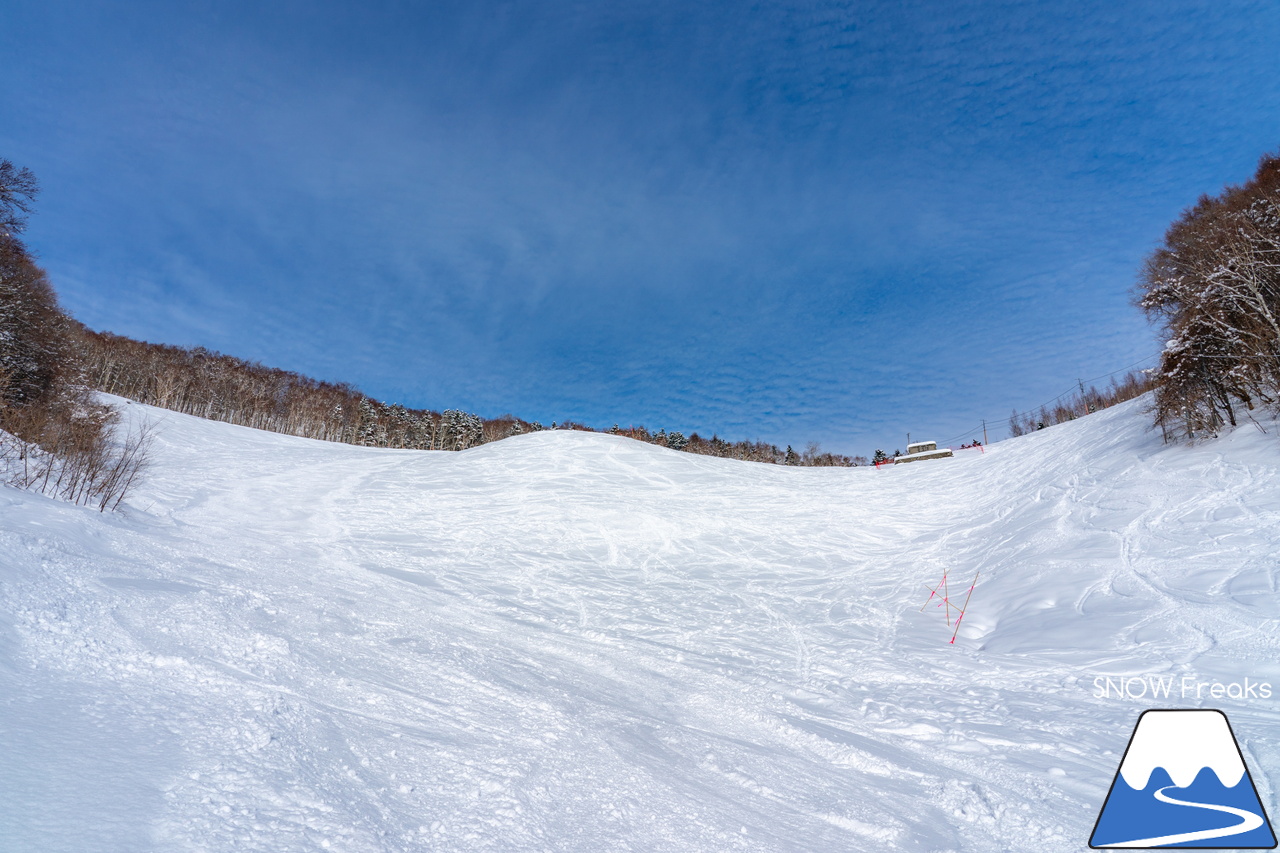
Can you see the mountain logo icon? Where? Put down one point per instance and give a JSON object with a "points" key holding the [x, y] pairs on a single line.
{"points": [[1183, 783]]}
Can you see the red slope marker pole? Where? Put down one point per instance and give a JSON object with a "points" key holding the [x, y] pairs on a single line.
{"points": [[933, 591], [946, 597], [966, 607]]}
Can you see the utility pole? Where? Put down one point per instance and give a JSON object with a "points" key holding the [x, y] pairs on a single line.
{"points": [[984, 432]]}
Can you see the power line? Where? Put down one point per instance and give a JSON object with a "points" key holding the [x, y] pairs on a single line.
{"points": [[1072, 390], [1127, 367]]}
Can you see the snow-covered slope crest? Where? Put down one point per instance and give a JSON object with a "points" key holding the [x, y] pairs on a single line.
{"points": [[567, 641], [1183, 743]]}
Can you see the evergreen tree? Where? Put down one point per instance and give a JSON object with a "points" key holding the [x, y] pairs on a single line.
{"points": [[473, 430], [460, 430], [335, 416], [451, 430], [367, 429]]}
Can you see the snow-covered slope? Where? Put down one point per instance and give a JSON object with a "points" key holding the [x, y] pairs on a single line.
{"points": [[567, 641]]}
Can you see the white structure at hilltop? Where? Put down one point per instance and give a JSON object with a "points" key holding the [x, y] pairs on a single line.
{"points": [[918, 450]]}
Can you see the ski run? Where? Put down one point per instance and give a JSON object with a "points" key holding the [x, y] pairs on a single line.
{"points": [[578, 642]]}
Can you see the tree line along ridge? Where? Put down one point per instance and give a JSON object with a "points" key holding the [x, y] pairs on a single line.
{"points": [[221, 387]]}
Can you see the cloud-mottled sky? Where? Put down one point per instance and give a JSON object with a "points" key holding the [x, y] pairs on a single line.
{"points": [[805, 221]]}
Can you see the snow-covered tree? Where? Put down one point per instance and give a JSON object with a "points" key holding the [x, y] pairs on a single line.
{"points": [[1214, 289], [459, 430]]}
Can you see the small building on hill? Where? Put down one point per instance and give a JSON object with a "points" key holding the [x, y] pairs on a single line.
{"points": [[918, 450]]}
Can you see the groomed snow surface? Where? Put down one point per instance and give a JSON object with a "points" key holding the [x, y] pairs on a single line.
{"points": [[578, 642]]}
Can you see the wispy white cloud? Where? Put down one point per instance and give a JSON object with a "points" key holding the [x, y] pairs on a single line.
{"points": [[815, 220]]}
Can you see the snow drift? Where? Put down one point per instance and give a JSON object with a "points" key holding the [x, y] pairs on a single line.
{"points": [[571, 641]]}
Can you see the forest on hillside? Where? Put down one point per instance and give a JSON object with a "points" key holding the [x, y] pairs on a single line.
{"points": [[221, 387]]}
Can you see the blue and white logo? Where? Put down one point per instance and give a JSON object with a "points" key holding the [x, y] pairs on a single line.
{"points": [[1183, 783]]}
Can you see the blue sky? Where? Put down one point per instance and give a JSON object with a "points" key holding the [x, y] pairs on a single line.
{"points": [[817, 221]]}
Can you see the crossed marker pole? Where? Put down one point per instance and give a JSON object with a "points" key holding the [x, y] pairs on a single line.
{"points": [[946, 600]]}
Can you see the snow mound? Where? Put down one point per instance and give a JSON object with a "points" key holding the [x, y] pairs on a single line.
{"points": [[571, 641]]}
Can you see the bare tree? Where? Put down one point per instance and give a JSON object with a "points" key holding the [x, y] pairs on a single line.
{"points": [[18, 191], [54, 436]]}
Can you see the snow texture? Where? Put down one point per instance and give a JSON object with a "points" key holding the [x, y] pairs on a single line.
{"points": [[578, 642]]}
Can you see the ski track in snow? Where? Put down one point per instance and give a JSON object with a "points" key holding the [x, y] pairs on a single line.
{"points": [[577, 642]]}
